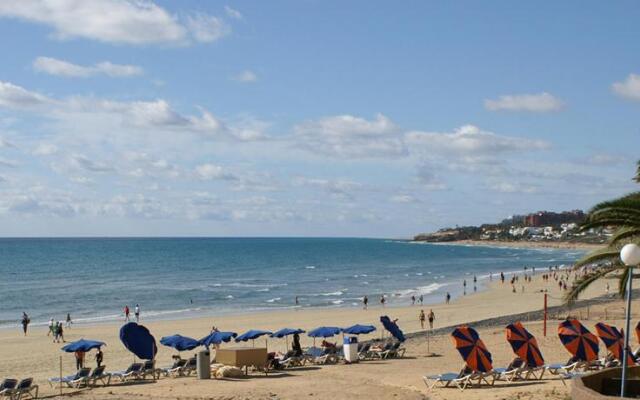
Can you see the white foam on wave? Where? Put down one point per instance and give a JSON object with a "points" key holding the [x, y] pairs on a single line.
{"points": [[421, 290], [229, 297], [336, 302], [274, 300], [310, 267], [337, 293]]}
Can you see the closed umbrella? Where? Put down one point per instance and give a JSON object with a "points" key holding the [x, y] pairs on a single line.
{"points": [[524, 345], [392, 327], [472, 349], [578, 340]]}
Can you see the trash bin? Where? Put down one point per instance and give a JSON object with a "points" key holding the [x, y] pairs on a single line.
{"points": [[202, 365], [350, 346]]}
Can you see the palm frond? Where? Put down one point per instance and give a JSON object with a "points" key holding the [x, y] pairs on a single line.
{"points": [[624, 233], [622, 283], [584, 282], [627, 201], [611, 254], [637, 177]]}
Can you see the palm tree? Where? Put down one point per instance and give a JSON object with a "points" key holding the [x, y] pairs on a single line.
{"points": [[624, 214]]}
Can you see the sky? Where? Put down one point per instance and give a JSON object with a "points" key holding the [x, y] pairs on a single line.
{"points": [[311, 118]]}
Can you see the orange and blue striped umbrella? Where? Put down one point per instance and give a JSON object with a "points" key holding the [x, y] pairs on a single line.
{"points": [[472, 349], [524, 344], [577, 339], [614, 340]]}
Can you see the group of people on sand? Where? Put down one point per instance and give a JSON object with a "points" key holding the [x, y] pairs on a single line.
{"points": [[127, 313], [56, 330], [431, 317]]}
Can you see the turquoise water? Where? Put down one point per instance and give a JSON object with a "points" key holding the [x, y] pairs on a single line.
{"points": [[181, 277]]}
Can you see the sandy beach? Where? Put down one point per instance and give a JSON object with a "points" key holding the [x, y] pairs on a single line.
{"points": [[36, 355], [528, 244]]}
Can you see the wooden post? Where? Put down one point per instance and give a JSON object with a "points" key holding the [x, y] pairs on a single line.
{"points": [[544, 326], [60, 383]]}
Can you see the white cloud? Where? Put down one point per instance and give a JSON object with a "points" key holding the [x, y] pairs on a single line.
{"points": [[403, 198], [208, 172], [630, 88], [246, 76], [232, 13], [5, 143], [53, 66], [90, 165], [116, 21], [471, 143], [542, 102], [16, 97], [508, 187], [207, 28], [349, 136], [45, 149]]}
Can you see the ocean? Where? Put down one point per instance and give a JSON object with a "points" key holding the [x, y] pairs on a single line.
{"points": [[93, 279]]}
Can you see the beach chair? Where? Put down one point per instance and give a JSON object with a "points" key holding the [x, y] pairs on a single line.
{"points": [[149, 369], [189, 367], [78, 379], [363, 351], [174, 370], [133, 372], [25, 389], [293, 361], [317, 355], [559, 368], [7, 387], [460, 380], [98, 374], [378, 352], [394, 351]]}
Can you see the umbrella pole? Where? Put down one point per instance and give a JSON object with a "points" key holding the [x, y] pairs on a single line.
{"points": [[60, 384], [626, 336], [286, 344]]}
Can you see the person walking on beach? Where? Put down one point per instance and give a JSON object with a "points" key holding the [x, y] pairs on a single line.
{"points": [[421, 299], [421, 318], [137, 312], [448, 297], [431, 318], [475, 281], [297, 301], [413, 300], [68, 320], [79, 359], [54, 331], [464, 285], [50, 325], [502, 277], [99, 357], [126, 313], [61, 332], [25, 322], [382, 300], [365, 301]]}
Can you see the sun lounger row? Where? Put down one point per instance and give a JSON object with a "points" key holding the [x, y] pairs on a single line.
{"points": [[15, 390]]}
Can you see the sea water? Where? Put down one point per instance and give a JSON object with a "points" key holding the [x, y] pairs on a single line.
{"points": [[93, 279]]}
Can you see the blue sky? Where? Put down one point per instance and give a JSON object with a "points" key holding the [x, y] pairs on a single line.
{"points": [[312, 118]]}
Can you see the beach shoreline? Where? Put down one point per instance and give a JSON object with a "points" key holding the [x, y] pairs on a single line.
{"points": [[519, 244]]}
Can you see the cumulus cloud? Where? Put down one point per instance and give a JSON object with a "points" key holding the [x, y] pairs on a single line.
{"points": [[232, 13], [350, 136], [54, 66], [208, 172], [16, 97], [629, 88], [207, 28], [45, 149], [542, 102], [116, 21], [471, 143], [245, 76]]}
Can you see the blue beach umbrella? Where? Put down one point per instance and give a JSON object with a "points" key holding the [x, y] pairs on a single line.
{"points": [[323, 332], [285, 332], [217, 338], [252, 335], [138, 340], [358, 329], [82, 345], [392, 327], [179, 342]]}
